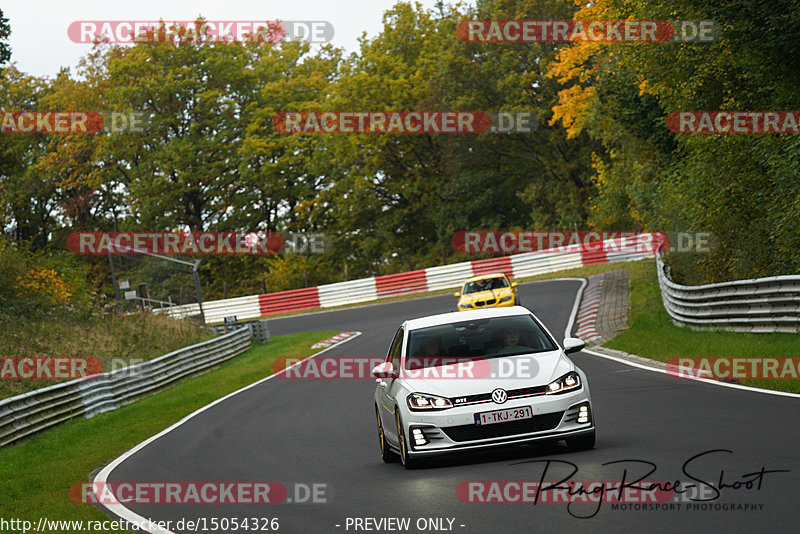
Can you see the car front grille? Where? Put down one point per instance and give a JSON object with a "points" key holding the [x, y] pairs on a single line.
{"points": [[538, 423], [485, 302], [512, 394]]}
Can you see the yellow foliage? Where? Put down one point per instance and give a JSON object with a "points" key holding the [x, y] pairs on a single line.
{"points": [[575, 63], [574, 105], [46, 283], [571, 62]]}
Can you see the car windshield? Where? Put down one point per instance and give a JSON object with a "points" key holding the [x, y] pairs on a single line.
{"points": [[478, 338], [485, 284]]}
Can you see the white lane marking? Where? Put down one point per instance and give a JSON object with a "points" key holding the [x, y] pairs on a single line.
{"points": [[131, 516], [704, 380], [578, 295], [664, 371]]}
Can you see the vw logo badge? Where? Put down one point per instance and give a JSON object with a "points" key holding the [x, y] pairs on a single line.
{"points": [[499, 396]]}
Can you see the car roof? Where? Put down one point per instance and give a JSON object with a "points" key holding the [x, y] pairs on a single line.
{"points": [[483, 276], [459, 316]]}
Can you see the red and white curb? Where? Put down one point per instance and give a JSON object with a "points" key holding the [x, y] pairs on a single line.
{"points": [[335, 340], [587, 314], [419, 281]]}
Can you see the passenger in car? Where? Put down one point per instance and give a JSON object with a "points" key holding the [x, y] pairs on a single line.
{"points": [[510, 337], [429, 351], [430, 345]]}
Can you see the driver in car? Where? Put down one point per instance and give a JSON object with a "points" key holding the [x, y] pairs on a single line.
{"points": [[510, 338], [503, 339], [428, 354]]}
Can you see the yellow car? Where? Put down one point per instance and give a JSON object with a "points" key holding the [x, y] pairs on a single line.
{"points": [[487, 291]]}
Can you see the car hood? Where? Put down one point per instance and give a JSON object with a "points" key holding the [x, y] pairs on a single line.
{"points": [[507, 372], [488, 294]]}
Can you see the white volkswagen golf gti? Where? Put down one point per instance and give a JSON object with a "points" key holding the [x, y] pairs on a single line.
{"points": [[476, 379]]}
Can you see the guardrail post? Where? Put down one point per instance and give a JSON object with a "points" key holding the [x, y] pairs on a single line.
{"points": [[199, 292], [259, 330]]}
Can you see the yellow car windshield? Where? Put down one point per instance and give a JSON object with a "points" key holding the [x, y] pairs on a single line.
{"points": [[485, 285]]}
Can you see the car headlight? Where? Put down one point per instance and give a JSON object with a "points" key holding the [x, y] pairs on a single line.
{"points": [[505, 299], [568, 382], [465, 305], [424, 401]]}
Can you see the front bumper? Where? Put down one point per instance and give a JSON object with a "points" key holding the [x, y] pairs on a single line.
{"points": [[554, 417], [487, 303]]}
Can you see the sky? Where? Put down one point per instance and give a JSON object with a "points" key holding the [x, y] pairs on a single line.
{"points": [[40, 45]]}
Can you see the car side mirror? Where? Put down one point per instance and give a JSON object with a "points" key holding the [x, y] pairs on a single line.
{"points": [[573, 344], [456, 294], [384, 370], [514, 284]]}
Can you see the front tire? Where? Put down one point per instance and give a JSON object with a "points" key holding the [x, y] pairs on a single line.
{"points": [[406, 460], [387, 454], [581, 443]]}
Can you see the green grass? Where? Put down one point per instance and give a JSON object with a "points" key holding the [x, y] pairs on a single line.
{"points": [[35, 475], [653, 335], [114, 339]]}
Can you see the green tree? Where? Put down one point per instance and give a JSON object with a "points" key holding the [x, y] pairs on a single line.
{"points": [[28, 199], [5, 33], [743, 188]]}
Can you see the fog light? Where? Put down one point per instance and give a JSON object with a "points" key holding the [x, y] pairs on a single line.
{"points": [[583, 414], [419, 437]]}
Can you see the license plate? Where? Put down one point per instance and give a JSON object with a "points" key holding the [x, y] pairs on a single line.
{"points": [[502, 416]]}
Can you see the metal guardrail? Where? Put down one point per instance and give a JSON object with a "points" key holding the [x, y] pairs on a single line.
{"points": [[756, 305], [259, 330], [26, 414]]}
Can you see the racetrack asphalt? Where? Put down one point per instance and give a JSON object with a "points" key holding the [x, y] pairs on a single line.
{"points": [[323, 432]]}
